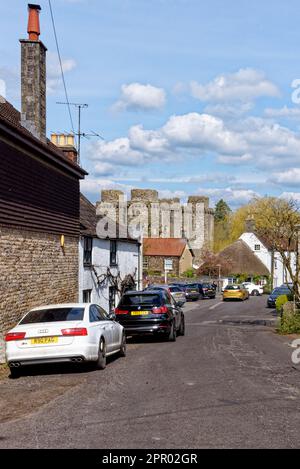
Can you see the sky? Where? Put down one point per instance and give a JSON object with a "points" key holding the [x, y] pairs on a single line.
{"points": [[190, 96]]}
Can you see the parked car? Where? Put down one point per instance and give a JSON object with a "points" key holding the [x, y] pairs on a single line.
{"points": [[278, 291], [150, 312], [206, 290], [254, 290], [191, 291], [73, 333], [175, 292], [235, 292]]}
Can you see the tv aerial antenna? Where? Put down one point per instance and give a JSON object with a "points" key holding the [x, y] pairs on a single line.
{"points": [[81, 134]]}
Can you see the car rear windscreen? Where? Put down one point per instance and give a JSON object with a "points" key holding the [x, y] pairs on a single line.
{"points": [[232, 287], [54, 315], [281, 291], [134, 300]]}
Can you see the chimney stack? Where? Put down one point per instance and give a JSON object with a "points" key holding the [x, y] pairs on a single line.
{"points": [[66, 143], [33, 76]]}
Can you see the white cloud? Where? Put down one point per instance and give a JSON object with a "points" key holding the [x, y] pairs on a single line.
{"points": [[291, 177], [136, 96], [94, 185], [245, 85], [104, 169], [118, 152], [234, 197], [148, 141], [238, 160], [291, 195], [202, 131], [285, 112], [54, 79], [256, 142], [229, 110]]}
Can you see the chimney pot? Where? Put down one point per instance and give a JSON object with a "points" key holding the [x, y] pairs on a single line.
{"points": [[34, 22]]}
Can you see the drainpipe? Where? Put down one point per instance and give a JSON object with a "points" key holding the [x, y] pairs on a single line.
{"points": [[272, 269]]}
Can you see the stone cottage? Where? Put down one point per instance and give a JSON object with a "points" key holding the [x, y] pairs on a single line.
{"points": [[168, 254]]}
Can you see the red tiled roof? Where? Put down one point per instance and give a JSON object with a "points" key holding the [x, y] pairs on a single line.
{"points": [[9, 115], [164, 246]]}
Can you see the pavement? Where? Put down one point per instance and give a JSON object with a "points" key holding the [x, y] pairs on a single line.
{"points": [[229, 383]]}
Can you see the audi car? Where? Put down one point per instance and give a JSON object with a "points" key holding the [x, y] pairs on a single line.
{"points": [[74, 333]]}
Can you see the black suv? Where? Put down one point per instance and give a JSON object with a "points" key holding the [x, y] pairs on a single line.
{"points": [[150, 312], [206, 290]]}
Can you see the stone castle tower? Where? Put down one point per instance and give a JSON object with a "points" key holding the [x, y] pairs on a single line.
{"points": [[162, 218]]}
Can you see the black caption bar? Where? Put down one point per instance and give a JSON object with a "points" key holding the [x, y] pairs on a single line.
{"points": [[133, 458]]}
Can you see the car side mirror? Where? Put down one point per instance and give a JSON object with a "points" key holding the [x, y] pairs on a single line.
{"points": [[112, 316]]}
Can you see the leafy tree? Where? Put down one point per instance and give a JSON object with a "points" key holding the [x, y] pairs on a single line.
{"points": [[213, 265], [277, 221], [222, 225], [222, 210]]}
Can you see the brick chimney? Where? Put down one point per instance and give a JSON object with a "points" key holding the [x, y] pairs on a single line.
{"points": [[33, 77], [66, 143]]}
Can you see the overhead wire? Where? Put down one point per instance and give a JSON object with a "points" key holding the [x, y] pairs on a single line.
{"points": [[61, 68]]}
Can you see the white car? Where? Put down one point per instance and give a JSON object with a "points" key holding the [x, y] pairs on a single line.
{"points": [[254, 290], [64, 333]]}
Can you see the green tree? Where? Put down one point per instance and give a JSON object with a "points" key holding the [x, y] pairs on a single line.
{"points": [[222, 210]]}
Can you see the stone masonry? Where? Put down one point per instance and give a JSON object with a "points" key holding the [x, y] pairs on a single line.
{"points": [[35, 271], [164, 218], [33, 72]]}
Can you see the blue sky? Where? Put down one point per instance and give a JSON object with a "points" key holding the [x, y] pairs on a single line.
{"points": [[192, 97]]}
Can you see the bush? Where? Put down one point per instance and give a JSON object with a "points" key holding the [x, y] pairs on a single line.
{"points": [[280, 301], [290, 321], [267, 290], [189, 273]]}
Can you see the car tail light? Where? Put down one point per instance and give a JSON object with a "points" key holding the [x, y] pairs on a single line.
{"points": [[76, 331], [119, 311], [15, 336], [160, 310]]}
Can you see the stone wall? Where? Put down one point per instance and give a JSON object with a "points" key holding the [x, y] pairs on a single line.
{"points": [[157, 264], [35, 271], [166, 218]]}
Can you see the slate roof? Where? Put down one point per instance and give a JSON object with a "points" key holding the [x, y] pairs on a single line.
{"points": [[11, 117]]}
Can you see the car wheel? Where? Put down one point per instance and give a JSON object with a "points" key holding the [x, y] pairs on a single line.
{"points": [[171, 337], [101, 361], [255, 293], [122, 352], [15, 373], [182, 327]]}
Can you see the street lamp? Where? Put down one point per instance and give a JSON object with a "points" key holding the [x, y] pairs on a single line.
{"points": [[219, 281]]}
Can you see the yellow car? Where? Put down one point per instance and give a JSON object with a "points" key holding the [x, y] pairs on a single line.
{"points": [[235, 292]]}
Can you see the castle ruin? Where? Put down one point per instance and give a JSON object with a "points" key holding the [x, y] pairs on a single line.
{"points": [[162, 218]]}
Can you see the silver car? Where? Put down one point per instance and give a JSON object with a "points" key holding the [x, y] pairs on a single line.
{"points": [[177, 294]]}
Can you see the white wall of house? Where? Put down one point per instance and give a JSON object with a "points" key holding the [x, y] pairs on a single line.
{"points": [[129, 261], [280, 274]]}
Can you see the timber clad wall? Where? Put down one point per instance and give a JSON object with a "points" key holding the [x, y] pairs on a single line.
{"points": [[36, 196], [35, 271]]}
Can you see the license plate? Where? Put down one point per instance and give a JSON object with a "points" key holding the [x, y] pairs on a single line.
{"points": [[139, 313], [44, 341]]}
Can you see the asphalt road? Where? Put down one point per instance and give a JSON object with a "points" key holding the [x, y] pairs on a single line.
{"points": [[229, 383]]}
